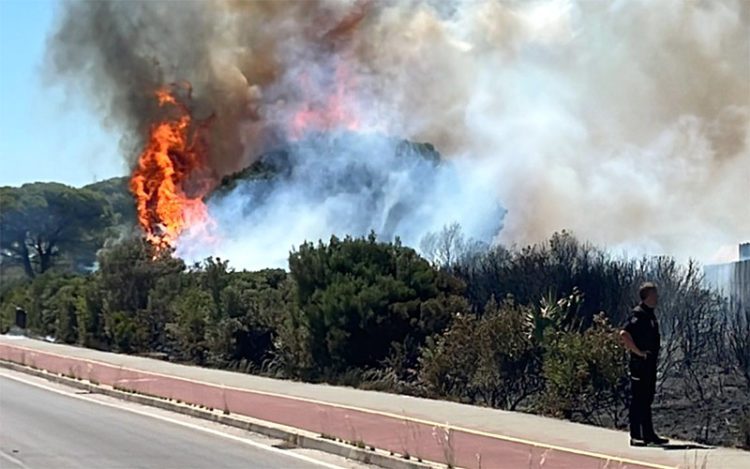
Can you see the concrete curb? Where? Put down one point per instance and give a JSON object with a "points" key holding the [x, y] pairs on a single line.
{"points": [[296, 437]]}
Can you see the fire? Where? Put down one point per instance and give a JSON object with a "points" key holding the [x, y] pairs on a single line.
{"points": [[335, 110], [173, 160]]}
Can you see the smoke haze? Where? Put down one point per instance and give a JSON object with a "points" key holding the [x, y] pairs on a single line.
{"points": [[625, 122]]}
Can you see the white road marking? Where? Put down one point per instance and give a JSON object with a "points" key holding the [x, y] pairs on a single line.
{"points": [[238, 439], [13, 460]]}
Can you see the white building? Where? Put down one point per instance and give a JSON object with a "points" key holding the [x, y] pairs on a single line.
{"points": [[732, 278]]}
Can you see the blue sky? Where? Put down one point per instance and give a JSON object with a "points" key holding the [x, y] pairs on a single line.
{"points": [[45, 135]]}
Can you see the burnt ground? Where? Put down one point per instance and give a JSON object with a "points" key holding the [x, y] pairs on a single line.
{"points": [[716, 419]]}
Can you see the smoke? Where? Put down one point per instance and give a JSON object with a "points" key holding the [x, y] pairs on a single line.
{"points": [[348, 184], [625, 122]]}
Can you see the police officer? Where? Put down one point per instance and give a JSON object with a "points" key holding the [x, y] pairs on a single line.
{"points": [[640, 334]]}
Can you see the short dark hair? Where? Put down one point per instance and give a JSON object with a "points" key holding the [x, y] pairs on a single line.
{"points": [[646, 289]]}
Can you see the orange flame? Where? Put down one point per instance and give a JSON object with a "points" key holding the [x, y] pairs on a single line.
{"points": [[173, 158], [337, 110]]}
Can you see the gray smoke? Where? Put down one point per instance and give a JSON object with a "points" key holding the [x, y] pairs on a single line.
{"points": [[626, 122], [348, 184]]}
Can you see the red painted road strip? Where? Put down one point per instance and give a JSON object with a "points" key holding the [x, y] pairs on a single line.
{"points": [[402, 436]]}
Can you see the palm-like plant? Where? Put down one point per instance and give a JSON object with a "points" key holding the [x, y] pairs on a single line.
{"points": [[553, 316]]}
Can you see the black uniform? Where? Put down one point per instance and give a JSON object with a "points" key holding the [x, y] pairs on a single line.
{"points": [[644, 328]]}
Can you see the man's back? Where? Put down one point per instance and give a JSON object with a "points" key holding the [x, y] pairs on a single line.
{"points": [[644, 329]]}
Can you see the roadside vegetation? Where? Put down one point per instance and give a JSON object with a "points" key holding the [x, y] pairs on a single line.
{"points": [[530, 329]]}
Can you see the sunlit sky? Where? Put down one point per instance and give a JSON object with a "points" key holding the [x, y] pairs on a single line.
{"points": [[45, 135]]}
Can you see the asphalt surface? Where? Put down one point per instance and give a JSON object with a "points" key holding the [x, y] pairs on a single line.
{"points": [[40, 428], [402, 424], [426, 439]]}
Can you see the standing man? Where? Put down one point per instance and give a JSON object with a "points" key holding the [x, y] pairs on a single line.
{"points": [[641, 337]]}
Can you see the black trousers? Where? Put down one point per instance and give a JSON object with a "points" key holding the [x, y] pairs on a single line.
{"points": [[642, 388]]}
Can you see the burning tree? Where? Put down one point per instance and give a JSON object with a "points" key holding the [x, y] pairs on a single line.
{"points": [[172, 176]]}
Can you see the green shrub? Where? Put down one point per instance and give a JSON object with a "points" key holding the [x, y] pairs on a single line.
{"points": [[584, 374], [491, 359], [356, 298]]}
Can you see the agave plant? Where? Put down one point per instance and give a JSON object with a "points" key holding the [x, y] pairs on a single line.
{"points": [[553, 315]]}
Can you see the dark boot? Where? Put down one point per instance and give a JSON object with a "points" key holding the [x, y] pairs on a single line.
{"points": [[656, 440]]}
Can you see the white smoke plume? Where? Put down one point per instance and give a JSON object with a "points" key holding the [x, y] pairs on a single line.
{"points": [[627, 122], [345, 184]]}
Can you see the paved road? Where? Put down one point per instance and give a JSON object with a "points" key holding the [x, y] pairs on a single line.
{"points": [[390, 431], [398, 423], [40, 428]]}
